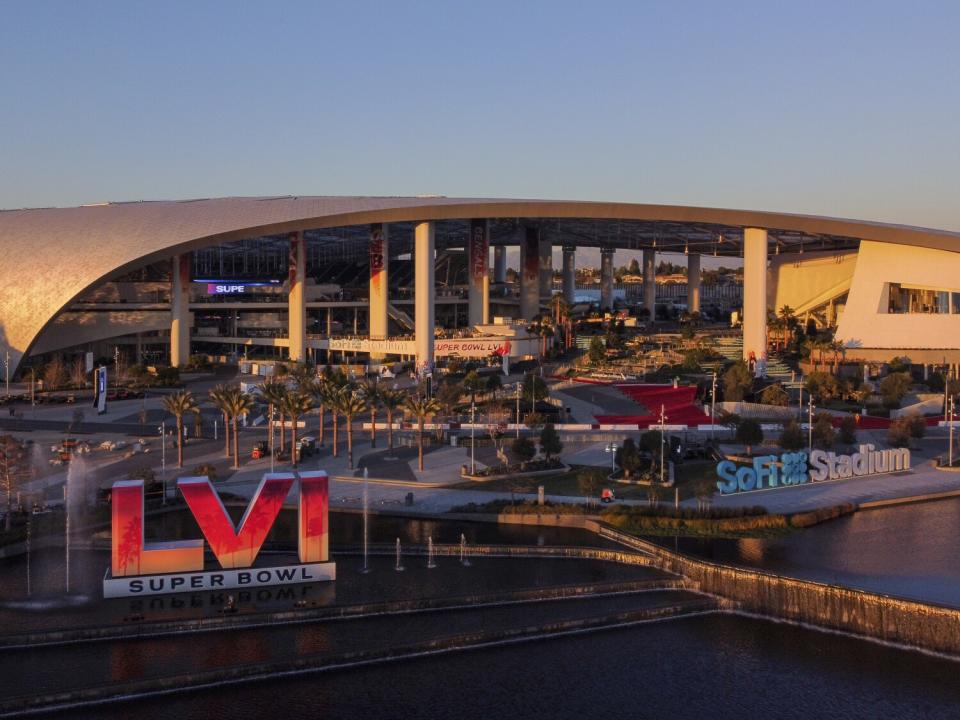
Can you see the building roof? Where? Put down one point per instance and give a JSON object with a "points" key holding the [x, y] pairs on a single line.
{"points": [[52, 255]]}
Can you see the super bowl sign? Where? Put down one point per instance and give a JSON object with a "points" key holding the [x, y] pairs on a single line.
{"points": [[789, 469], [141, 568], [234, 287]]}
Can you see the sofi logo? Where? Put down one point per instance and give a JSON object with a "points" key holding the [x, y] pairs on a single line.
{"points": [[179, 565]]}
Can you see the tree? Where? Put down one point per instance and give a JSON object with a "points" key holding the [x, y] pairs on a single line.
{"points": [[534, 388], [550, 441], [792, 437], [737, 382], [421, 408], [323, 394], [494, 383], [822, 386], [473, 383], [590, 482], [274, 392], [237, 403], [893, 387], [823, 433], [749, 433], [373, 396], [392, 400], [55, 373], [296, 404], [848, 430], [78, 373], [628, 458], [652, 442], [775, 395], [900, 365], [448, 395], [523, 448], [597, 354], [179, 404], [351, 404], [218, 395], [634, 267]]}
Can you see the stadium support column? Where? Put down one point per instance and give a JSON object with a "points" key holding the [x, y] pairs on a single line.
{"points": [[693, 283], [530, 274], [297, 298], [606, 279], [180, 311], [423, 267], [500, 264], [546, 270], [650, 282], [755, 298], [379, 283], [569, 274], [478, 253]]}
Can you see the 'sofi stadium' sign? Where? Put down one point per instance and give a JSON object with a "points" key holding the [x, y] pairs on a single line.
{"points": [[141, 568], [769, 471]]}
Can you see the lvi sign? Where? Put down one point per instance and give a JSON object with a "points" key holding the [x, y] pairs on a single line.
{"points": [[140, 568]]}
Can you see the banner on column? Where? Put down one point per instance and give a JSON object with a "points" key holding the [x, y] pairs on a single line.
{"points": [[100, 390], [377, 263], [479, 250]]}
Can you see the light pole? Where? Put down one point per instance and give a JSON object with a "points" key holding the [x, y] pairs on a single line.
{"points": [[612, 449], [950, 403], [473, 427], [163, 458], [116, 366], [713, 406], [6, 369], [810, 425], [663, 418], [519, 385], [272, 429]]}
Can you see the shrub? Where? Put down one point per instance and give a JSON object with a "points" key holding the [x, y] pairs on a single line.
{"points": [[205, 470], [792, 437], [848, 430], [775, 395], [823, 433], [899, 433], [916, 425], [168, 376], [893, 387], [628, 458]]}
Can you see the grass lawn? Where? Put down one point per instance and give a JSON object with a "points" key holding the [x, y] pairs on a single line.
{"points": [[686, 475]]}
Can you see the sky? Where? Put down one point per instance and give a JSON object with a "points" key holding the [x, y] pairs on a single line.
{"points": [[840, 108]]}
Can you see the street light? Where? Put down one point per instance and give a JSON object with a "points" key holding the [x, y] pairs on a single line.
{"points": [[950, 406], [163, 458], [473, 427], [6, 367], [663, 418], [519, 386], [713, 406], [810, 425], [612, 449]]}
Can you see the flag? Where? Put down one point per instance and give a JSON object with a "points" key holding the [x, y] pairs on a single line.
{"points": [[100, 390]]}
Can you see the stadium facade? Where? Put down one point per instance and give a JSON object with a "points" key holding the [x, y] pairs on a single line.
{"points": [[379, 275]]}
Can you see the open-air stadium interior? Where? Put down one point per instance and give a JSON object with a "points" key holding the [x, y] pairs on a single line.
{"points": [[426, 277]]}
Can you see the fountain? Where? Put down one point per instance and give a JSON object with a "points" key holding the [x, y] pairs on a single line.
{"points": [[76, 473], [463, 551], [431, 562], [398, 567], [366, 522]]}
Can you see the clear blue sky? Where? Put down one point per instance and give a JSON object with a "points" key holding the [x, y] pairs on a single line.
{"points": [[842, 108]]}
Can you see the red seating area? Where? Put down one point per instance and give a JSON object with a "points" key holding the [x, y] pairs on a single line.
{"points": [[677, 403]]}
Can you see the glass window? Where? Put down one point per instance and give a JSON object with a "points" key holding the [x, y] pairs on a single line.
{"points": [[921, 301]]}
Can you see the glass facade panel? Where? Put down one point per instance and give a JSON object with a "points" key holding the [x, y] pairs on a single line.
{"points": [[921, 301]]}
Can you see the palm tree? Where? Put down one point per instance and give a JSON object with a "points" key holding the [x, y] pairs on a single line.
{"points": [[296, 404], [273, 391], [421, 408], [372, 396], [179, 404], [333, 399], [322, 392], [218, 396], [302, 374], [237, 403], [351, 404], [838, 350], [392, 400]]}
